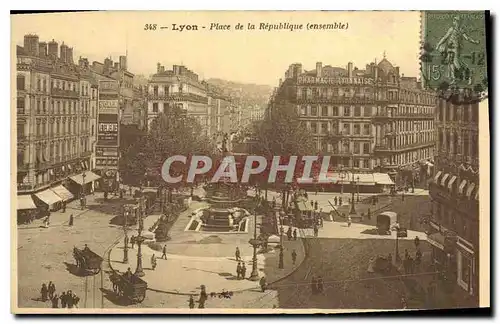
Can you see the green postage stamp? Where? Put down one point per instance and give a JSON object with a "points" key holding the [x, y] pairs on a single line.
{"points": [[454, 50]]}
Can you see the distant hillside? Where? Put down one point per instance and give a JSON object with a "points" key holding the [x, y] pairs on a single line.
{"points": [[247, 93]]}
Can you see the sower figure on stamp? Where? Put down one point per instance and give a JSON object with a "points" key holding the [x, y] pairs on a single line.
{"points": [[450, 45]]}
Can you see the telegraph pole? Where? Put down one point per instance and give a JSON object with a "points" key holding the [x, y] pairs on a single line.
{"points": [[125, 239]]}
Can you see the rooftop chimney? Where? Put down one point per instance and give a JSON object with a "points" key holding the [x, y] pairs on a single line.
{"points": [[42, 46], [319, 69], [31, 44], [53, 49], [123, 62], [64, 54], [69, 55], [349, 70], [158, 67]]}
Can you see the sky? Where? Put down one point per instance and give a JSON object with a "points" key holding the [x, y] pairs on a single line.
{"points": [[250, 56]]}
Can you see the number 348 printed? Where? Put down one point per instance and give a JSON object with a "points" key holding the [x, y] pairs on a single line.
{"points": [[150, 27]]}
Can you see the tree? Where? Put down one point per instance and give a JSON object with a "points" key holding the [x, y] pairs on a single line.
{"points": [[282, 134], [171, 133]]}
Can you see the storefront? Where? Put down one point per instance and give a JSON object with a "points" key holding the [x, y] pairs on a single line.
{"points": [[466, 271], [443, 250], [83, 182], [26, 209]]}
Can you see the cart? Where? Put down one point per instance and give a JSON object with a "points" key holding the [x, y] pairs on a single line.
{"points": [[129, 286], [87, 260]]}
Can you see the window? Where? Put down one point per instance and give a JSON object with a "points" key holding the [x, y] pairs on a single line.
{"points": [[92, 134], [38, 84], [20, 105], [347, 129], [357, 129], [44, 106], [366, 148], [366, 129], [367, 111], [304, 93], [357, 111], [20, 131], [315, 93], [155, 90], [324, 128], [356, 148], [303, 110], [335, 111], [347, 111], [314, 127], [21, 82], [37, 106], [324, 111], [314, 110], [155, 107], [355, 163]]}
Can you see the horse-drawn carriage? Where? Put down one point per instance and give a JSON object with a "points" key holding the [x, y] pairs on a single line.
{"points": [[129, 286], [87, 260]]}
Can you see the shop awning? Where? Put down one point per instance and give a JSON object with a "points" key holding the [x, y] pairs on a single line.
{"points": [[62, 192], [461, 187], [25, 202], [437, 240], [382, 179], [48, 197], [452, 181], [364, 179], [436, 177], [89, 177], [443, 180], [470, 188]]}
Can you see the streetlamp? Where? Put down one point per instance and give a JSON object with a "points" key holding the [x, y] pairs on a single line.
{"points": [[255, 242], [139, 271], [83, 183], [396, 227], [125, 239], [357, 187], [342, 176], [353, 184]]}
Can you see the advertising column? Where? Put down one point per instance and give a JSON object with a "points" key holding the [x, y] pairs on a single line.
{"points": [[108, 137]]}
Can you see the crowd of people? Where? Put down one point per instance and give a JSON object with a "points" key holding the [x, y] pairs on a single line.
{"points": [[67, 299]]}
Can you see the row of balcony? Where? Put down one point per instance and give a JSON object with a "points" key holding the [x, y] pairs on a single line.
{"points": [[344, 135], [458, 158], [54, 160], [338, 100], [402, 148], [64, 93], [22, 138], [26, 112], [402, 116], [178, 97]]}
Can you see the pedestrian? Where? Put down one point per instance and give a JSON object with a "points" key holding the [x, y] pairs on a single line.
{"points": [[316, 205], [349, 221], [51, 288], [164, 255], [132, 241], [153, 262], [312, 204], [294, 256], [238, 271], [55, 301], [263, 284], [417, 242], [315, 228], [69, 299], [237, 254], [243, 271], [70, 223], [63, 299], [295, 234], [75, 299], [319, 284], [130, 190], [289, 233], [404, 305], [314, 285], [335, 200], [340, 201], [63, 206], [418, 257], [44, 291], [203, 297], [369, 214], [407, 255], [128, 273], [191, 301]]}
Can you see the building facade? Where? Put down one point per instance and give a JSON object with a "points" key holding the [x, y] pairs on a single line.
{"points": [[369, 120], [178, 87], [54, 145], [454, 224]]}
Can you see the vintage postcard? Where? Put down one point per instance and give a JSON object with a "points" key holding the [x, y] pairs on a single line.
{"points": [[250, 162]]}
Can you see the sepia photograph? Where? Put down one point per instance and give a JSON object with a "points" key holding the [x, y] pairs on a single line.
{"points": [[231, 162]]}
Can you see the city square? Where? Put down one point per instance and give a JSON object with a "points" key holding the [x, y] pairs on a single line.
{"points": [[142, 184]]}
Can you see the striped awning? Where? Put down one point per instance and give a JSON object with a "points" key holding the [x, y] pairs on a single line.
{"points": [[461, 187], [62, 192], [443, 180], [452, 181], [470, 188], [25, 202], [436, 177], [48, 197]]}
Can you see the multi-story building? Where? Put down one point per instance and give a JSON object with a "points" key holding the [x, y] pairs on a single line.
{"points": [[54, 147], [178, 87], [454, 191], [369, 120]]}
